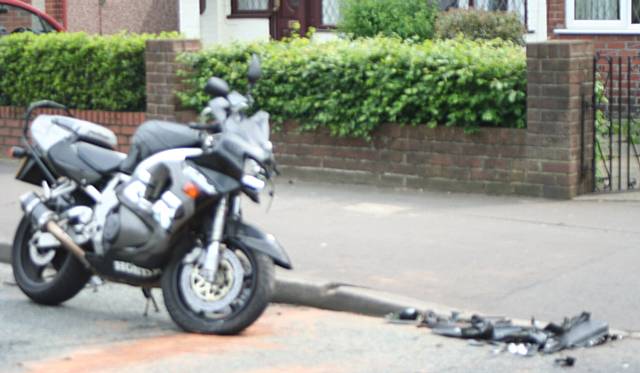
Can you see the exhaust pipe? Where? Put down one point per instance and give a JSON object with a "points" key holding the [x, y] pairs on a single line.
{"points": [[44, 219]]}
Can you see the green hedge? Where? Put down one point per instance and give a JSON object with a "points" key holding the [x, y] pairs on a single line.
{"points": [[81, 71], [351, 87], [407, 19], [480, 24]]}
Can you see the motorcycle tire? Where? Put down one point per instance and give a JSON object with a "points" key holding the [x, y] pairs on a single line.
{"points": [[69, 279], [196, 321]]}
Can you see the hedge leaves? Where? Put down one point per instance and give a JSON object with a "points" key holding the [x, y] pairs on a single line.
{"points": [[352, 87], [78, 70]]}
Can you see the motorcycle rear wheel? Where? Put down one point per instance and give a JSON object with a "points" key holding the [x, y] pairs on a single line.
{"points": [[50, 284], [257, 285]]}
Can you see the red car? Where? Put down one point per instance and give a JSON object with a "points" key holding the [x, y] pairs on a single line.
{"points": [[16, 16]]}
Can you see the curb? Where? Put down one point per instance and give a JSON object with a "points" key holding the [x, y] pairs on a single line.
{"points": [[5, 252], [292, 289]]}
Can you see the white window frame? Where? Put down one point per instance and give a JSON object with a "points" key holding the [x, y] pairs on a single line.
{"points": [[623, 25]]}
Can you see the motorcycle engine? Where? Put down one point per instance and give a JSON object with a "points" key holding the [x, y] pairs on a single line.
{"points": [[138, 228]]}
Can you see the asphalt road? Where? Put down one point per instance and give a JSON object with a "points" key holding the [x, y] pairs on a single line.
{"points": [[105, 331], [509, 256], [499, 255]]}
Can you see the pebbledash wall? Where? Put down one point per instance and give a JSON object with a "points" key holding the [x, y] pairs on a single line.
{"points": [[550, 158]]}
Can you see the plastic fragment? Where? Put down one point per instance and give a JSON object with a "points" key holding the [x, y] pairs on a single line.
{"points": [[566, 361], [578, 331]]}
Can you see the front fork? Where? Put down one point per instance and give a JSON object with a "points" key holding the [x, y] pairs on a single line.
{"points": [[214, 251]]}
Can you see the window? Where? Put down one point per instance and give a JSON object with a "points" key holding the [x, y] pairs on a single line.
{"points": [[595, 16], [251, 8], [592, 10], [330, 12], [252, 5], [518, 6]]}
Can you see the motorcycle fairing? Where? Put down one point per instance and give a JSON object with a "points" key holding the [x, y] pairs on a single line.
{"points": [[119, 271], [250, 237], [29, 172]]}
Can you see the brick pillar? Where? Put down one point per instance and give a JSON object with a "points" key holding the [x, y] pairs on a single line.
{"points": [[560, 80], [162, 81]]}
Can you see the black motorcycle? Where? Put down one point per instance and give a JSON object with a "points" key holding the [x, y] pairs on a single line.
{"points": [[168, 214]]}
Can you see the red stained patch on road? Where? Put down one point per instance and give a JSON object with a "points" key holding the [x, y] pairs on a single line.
{"points": [[332, 368], [277, 324], [119, 356]]}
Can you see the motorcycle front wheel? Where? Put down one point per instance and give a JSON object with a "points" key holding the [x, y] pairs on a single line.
{"points": [[235, 299]]}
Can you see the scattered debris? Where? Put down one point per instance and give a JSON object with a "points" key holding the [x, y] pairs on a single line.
{"points": [[406, 316], [409, 314], [575, 332], [566, 361]]}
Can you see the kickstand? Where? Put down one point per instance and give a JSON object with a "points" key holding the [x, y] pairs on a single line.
{"points": [[94, 282], [150, 299]]}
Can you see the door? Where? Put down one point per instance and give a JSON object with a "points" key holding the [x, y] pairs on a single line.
{"points": [[287, 12]]}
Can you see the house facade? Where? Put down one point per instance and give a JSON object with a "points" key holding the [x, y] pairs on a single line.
{"points": [[613, 25], [220, 21], [213, 21]]}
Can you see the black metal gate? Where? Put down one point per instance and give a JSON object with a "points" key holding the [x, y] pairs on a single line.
{"points": [[616, 123]]}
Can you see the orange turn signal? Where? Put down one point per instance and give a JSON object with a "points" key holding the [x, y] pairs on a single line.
{"points": [[191, 190]]}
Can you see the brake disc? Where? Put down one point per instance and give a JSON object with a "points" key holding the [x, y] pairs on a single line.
{"points": [[205, 296]]}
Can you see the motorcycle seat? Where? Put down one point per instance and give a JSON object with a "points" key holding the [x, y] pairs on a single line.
{"points": [[101, 160], [86, 131]]}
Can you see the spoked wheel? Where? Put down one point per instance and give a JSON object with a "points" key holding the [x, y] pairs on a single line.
{"points": [[49, 276], [239, 293]]}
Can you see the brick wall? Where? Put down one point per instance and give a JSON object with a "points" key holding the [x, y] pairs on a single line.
{"points": [[492, 160], [55, 8], [162, 82], [555, 16], [123, 124], [559, 132]]}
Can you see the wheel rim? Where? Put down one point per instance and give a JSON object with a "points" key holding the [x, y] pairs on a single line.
{"points": [[231, 290], [39, 272]]}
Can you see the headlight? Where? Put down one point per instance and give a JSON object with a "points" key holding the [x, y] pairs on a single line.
{"points": [[251, 167], [253, 183], [251, 179]]}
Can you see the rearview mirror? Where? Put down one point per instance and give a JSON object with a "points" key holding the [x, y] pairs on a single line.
{"points": [[216, 87], [255, 70]]}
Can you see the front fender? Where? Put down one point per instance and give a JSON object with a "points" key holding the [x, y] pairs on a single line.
{"points": [[252, 238]]}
